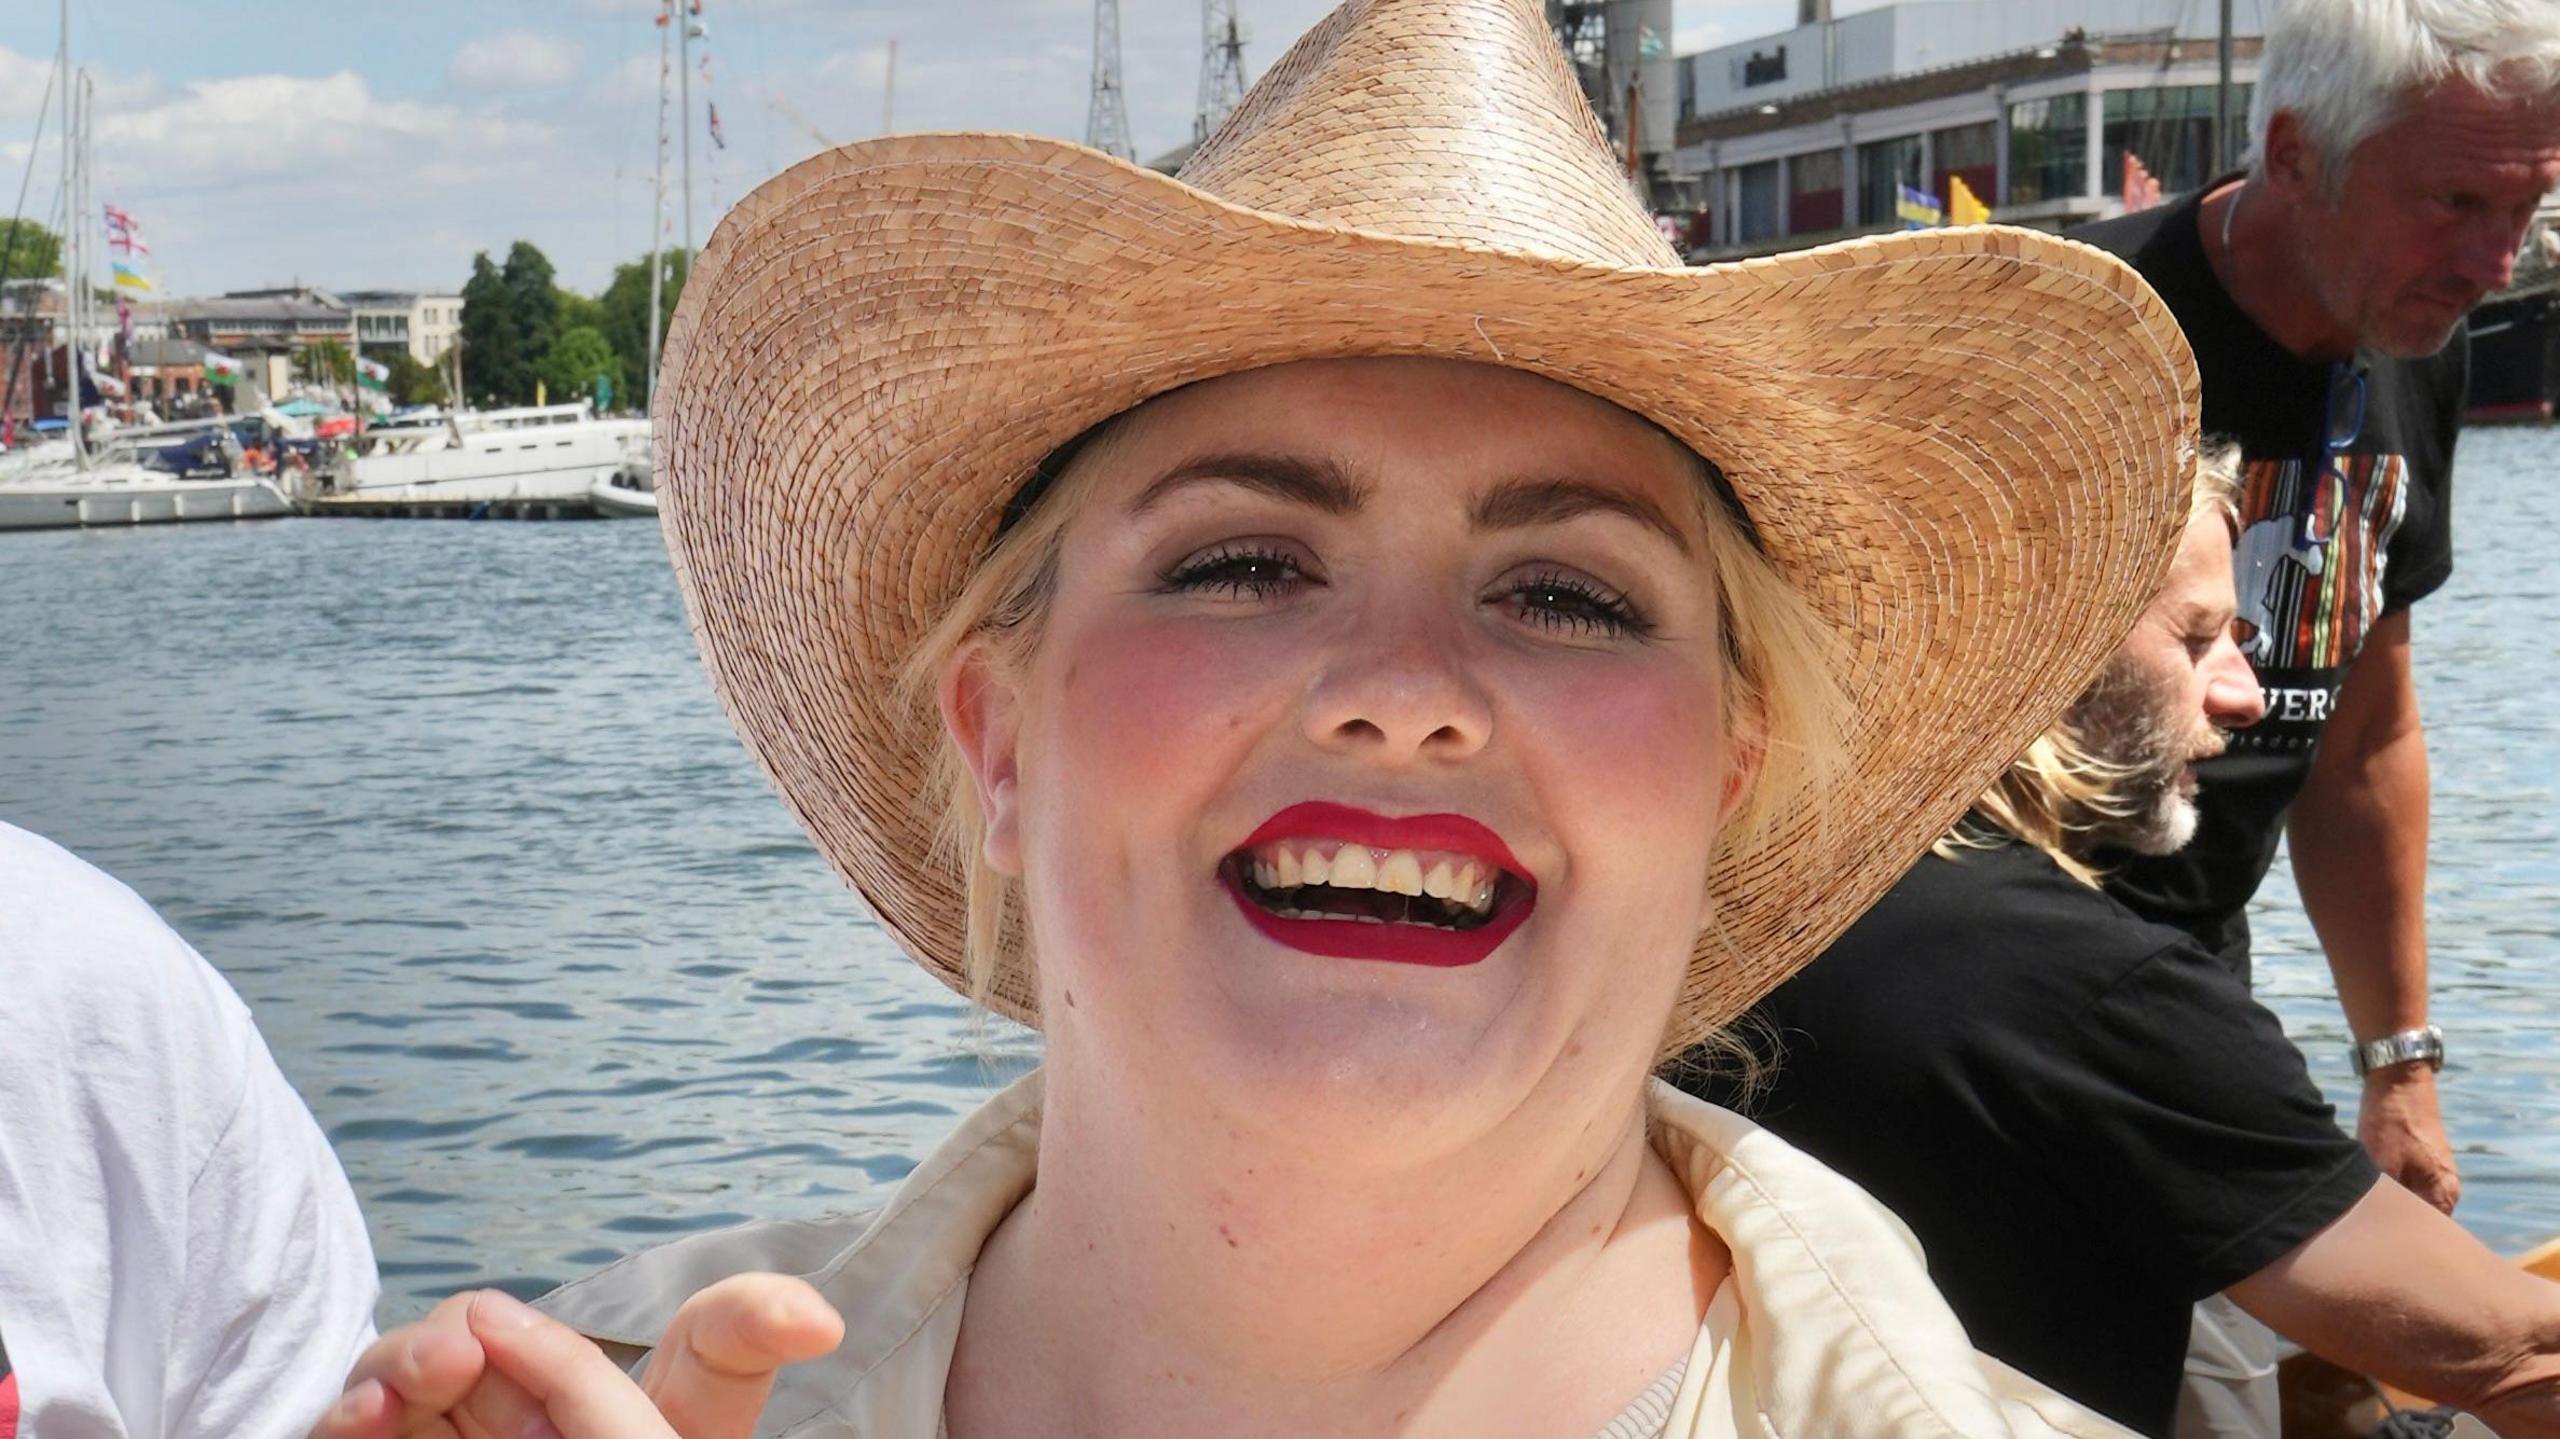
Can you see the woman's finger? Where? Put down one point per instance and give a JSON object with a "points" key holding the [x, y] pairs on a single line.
{"points": [[366, 1411], [714, 1368], [415, 1373], [562, 1373], [499, 1408]]}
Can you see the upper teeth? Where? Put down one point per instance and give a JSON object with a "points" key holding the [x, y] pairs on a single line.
{"points": [[1453, 877]]}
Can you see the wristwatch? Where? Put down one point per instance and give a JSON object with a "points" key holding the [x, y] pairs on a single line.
{"points": [[2408, 1046]]}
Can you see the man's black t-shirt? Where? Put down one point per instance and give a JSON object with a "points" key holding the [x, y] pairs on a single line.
{"points": [[2084, 1117], [2319, 558]]}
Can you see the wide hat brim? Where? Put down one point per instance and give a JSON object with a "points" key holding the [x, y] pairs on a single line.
{"points": [[1970, 449]]}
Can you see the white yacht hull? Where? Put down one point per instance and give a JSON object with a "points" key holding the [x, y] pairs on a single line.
{"points": [[613, 501], [540, 463], [64, 503]]}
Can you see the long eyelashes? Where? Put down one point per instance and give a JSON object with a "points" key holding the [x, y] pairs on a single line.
{"points": [[1551, 599], [1571, 604], [1242, 570]]}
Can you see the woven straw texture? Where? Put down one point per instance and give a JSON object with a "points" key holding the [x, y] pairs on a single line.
{"points": [[1969, 449]]}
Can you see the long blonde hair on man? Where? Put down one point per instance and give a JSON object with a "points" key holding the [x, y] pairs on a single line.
{"points": [[2058, 791]]}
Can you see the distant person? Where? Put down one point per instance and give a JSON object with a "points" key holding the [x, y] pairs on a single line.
{"points": [[180, 1255], [2398, 149], [2089, 1123]]}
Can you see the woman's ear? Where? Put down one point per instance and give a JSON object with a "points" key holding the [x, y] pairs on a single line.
{"points": [[981, 707], [1746, 750]]}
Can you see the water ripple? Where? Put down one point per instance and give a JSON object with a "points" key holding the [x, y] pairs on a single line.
{"points": [[467, 829]]}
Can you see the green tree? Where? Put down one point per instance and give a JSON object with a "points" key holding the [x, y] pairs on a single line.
{"points": [[326, 362], [411, 383], [571, 310], [28, 251], [534, 293], [495, 370], [625, 304], [575, 361]]}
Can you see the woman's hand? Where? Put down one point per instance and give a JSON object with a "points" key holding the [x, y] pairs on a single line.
{"points": [[486, 1366]]}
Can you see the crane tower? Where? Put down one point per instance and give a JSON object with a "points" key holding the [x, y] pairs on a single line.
{"points": [[1106, 124], [1221, 66]]}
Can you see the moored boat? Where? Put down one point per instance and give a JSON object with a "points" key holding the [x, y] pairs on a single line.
{"points": [[547, 452], [132, 494], [627, 493], [2515, 335]]}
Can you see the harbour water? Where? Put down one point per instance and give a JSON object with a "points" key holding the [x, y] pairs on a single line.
{"points": [[453, 807]]}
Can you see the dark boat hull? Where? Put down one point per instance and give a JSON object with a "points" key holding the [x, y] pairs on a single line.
{"points": [[2515, 359]]}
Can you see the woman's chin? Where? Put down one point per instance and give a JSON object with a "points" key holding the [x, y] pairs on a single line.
{"points": [[1355, 1070]]}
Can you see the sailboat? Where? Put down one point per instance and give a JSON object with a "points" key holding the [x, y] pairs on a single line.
{"points": [[115, 485], [631, 491]]}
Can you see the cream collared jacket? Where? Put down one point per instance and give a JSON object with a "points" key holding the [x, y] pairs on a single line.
{"points": [[1827, 1328]]}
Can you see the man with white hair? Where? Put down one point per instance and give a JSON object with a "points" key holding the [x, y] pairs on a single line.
{"points": [[2088, 1122], [2398, 151]]}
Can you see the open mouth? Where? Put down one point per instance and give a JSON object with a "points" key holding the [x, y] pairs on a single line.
{"points": [[1331, 879], [1335, 881]]}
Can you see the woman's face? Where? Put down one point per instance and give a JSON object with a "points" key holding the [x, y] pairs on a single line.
{"points": [[1370, 762]]}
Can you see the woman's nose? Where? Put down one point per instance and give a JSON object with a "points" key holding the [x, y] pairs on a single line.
{"points": [[2233, 698], [1400, 688]]}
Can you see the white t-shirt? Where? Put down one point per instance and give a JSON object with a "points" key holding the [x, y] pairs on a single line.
{"points": [[179, 1251]]}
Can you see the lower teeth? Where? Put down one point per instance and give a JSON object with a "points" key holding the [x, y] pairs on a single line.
{"points": [[1361, 919]]}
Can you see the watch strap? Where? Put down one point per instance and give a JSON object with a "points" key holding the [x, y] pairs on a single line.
{"points": [[2409, 1046]]}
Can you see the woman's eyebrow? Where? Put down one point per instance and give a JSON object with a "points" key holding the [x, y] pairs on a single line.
{"points": [[1319, 482], [1518, 503]]}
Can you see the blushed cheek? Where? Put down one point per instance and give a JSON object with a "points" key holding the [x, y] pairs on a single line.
{"points": [[1637, 755], [1144, 723], [1155, 702]]}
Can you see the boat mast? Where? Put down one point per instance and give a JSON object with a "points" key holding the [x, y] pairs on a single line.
{"points": [[2222, 98], [658, 213], [71, 250], [684, 83]]}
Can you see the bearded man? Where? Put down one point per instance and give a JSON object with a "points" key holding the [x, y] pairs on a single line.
{"points": [[2086, 1119], [2398, 150]]}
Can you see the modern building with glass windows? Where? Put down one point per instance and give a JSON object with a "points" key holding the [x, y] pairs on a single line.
{"points": [[1814, 133]]}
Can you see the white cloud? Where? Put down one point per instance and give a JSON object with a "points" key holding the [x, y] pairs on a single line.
{"points": [[515, 60], [867, 66], [292, 125], [265, 178], [630, 82]]}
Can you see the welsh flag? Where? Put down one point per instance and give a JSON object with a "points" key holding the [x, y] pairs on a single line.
{"points": [[220, 369], [370, 375]]}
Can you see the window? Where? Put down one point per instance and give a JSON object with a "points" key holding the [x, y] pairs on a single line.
{"points": [[1813, 192], [2048, 149], [2170, 130], [1758, 213], [1970, 151], [1884, 167]]}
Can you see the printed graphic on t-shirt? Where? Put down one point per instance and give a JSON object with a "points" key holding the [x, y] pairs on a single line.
{"points": [[2309, 571]]}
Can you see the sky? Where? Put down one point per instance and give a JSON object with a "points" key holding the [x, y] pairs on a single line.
{"points": [[378, 144]]}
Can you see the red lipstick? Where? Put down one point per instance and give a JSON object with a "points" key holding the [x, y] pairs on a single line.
{"points": [[1391, 943]]}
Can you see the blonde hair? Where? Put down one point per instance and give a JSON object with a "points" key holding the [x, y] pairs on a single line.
{"points": [[2058, 791], [1782, 699]]}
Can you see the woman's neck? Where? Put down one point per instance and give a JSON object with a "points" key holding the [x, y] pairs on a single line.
{"points": [[1166, 1275]]}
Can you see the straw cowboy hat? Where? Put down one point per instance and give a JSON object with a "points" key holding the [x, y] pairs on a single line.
{"points": [[1969, 448]]}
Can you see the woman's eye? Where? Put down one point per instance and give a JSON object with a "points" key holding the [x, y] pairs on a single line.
{"points": [[1238, 570], [1573, 605]]}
